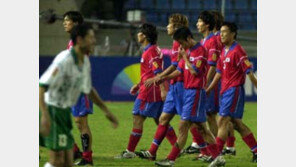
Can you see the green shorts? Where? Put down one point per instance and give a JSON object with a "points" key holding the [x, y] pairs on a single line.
{"points": [[60, 137]]}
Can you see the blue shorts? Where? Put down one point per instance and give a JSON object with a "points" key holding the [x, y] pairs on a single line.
{"points": [[212, 102], [194, 105], [174, 99], [232, 102], [147, 109], [83, 106]]}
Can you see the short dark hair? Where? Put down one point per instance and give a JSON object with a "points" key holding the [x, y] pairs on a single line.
{"points": [[75, 16], [208, 18], [79, 30], [182, 34], [149, 30], [232, 27], [219, 19]]}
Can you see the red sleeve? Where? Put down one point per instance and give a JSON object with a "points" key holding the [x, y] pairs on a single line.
{"points": [[243, 61], [213, 53], [199, 59], [155, 61], [219, 66]]}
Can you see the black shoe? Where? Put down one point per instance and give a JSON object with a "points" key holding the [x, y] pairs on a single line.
{"points": [[145, 155], [254, 158], [226, 151], [77, 155], [191, 150], [84, 162]]}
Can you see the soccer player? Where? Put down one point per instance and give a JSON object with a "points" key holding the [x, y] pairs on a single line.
{"points": [[149, 102], [84, 105], [230, 147], [173, 102], [59, 88], [232, 68], [193, 66]]}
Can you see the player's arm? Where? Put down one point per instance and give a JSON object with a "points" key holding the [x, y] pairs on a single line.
{"points": [[211, 73], [95, 98], [172, 75], [252, 78], [214, 82], [45, 118]]}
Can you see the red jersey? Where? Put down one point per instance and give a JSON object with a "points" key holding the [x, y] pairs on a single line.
{"points": [[174, 61], [233, 66], [151, 64], [212, 48], [198, 59]]}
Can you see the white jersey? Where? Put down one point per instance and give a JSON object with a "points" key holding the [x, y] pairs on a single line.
{"points": [[65, 80]]}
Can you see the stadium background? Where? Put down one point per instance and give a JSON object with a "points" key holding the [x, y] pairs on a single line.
{"points": [[115, 62]]}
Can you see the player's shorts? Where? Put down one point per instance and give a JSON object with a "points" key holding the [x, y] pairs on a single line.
{"points": [[232, 102], [83, 106], [212, 101], [194, 105], [174, 99], [60, 137], [147, 109]]}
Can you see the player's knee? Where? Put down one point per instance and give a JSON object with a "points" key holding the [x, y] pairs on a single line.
{"points": [[78, 122], [183, 128], [163, 120]]}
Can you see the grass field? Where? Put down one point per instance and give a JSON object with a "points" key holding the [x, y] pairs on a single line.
{"points": [[108, 142]]}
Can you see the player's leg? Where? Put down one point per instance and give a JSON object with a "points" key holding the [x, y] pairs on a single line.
{"points": [[86, 139], [68, 158], [230, 149], [212, 122], [247, 136], [161, 132], [56, 158], [184, 126]]}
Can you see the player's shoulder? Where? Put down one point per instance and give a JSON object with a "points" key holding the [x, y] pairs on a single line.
{"points": [[239, 49], [63, 57], [154, 51]]}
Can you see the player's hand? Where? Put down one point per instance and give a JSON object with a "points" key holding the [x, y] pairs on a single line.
{"points": [[45, 124], [134, 89], [208, 92], [112, 119], [149, 82]]}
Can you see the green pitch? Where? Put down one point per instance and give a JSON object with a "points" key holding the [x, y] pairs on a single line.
{"points": [[108, 142]]}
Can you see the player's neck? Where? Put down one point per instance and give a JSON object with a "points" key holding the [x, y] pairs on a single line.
{"points": [[228, 45], [206, 33], [192, 43], [80, 54], [145, 43]]}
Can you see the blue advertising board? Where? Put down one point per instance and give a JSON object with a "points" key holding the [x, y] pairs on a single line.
{"points": [[114, 76]]}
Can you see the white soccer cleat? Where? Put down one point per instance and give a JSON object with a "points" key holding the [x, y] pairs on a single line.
{"points": [[218, 162], [126, 155]]}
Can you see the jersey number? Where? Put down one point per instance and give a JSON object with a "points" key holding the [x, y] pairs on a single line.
{"points": [[62, 140]]}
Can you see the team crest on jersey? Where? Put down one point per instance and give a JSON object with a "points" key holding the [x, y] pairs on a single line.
{"points": [[214, 57], [227, 59], [191, 58], [142, 60], [248, 63], [198, 63], [155, 65]]}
